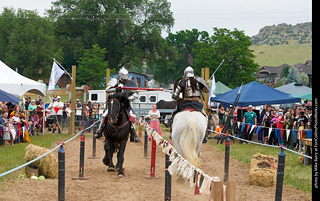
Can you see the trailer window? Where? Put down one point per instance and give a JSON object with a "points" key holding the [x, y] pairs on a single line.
{"points": [[94, 97], [152, 99], [142, 99]]}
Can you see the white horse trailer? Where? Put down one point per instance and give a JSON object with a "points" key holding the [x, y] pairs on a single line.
{"points": [[146, 98], [141, 105], [97, 96]]}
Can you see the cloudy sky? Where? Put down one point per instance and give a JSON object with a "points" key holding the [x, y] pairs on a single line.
{"points": [[247, 15]]}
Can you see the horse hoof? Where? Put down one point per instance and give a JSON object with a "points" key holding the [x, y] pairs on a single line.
{"points": [[110, 169], [121, 176]]}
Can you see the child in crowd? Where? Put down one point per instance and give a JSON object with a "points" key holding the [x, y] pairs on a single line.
{"points": [[12, 130], [17, 123], [219, 129], [7, 134]]}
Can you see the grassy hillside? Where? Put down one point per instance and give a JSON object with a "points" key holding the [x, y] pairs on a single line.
{"points": [[276, 55]]}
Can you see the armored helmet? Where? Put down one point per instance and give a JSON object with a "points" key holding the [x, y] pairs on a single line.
{"points": [[188, 72], [123, 74]]}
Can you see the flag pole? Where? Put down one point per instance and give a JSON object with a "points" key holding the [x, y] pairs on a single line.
{"points": [[62, 67], [216, 70]]}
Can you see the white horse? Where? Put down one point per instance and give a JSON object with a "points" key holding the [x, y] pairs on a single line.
{"points": [[188, 131]]}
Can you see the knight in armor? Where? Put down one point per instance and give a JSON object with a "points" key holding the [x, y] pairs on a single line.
{"points": [[114, 85], [191, 88]]}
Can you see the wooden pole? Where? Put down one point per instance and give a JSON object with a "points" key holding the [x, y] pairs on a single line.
{"points": [[206, 99], [107, 80], [73, 100], [202, 76], [202, 73], [231, 191], [218, 191]]}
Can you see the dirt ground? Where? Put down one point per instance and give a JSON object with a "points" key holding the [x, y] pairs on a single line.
{"points": [[103, 185]]}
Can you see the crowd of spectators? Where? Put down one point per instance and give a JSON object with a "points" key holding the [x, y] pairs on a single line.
{"points": [[18, 122], [296, 118]]}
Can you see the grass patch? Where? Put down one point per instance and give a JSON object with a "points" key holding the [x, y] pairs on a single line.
{"points": [[13, 156], [276, 55], [295, 173]]}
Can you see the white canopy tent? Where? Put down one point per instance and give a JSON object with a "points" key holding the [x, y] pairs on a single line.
{"points": [[16, 84]]}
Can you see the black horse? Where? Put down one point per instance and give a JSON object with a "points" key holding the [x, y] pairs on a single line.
{"points": [[116, 131]]}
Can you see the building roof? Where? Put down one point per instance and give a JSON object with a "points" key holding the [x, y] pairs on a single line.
{"points": [[273, 69], [306, 67], [293, 88], [276, 70]]}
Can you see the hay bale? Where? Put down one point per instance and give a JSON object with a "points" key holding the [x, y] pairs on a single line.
{"points": [[48, 165], [263, 170]]}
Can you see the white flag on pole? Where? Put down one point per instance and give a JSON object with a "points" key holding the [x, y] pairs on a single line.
{"points": [[56, 73], [212, 92]]}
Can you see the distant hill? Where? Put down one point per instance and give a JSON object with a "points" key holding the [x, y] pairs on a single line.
{"points": [[276, 55], [283, 43], [284, 34]]}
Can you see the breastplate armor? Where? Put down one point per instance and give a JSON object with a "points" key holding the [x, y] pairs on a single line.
{"points": [[187, 93]]}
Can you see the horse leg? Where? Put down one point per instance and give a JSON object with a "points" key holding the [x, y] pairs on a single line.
{"points": [[121, 158], [111, 166], [118, 164], [107, 149]]}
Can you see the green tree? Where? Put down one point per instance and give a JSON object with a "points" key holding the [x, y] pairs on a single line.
{"points": [[126, 28], [233, 47], [28, 43], [293, 75], [184, 42], [92, 67], [303, 79], [285, 71]]}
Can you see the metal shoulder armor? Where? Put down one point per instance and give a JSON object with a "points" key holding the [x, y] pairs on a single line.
{"points": [[202, 84], [111, 84], [177, 90]]}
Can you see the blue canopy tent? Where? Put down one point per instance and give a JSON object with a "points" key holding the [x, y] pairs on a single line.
{"points": [[255, 93], [6, 97]]}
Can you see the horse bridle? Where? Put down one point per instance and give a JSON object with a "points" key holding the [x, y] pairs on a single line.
{"points": [[114, 99], [118, 113]]}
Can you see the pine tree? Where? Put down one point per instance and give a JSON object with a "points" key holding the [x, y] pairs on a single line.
{"points": [[293, 75]]}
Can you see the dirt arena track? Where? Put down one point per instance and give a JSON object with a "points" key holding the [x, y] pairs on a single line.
{"points": [[103, 185]]}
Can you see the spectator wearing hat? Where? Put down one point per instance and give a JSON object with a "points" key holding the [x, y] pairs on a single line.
{"points": [[26, 104], [250, 117], [78, 112]]}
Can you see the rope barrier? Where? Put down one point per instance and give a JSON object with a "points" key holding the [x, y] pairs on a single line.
{"points": [[180, 164], [28, 163], [258, 143]]}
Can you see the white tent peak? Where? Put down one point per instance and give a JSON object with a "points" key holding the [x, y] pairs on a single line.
{"points": [[16, 84]]}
